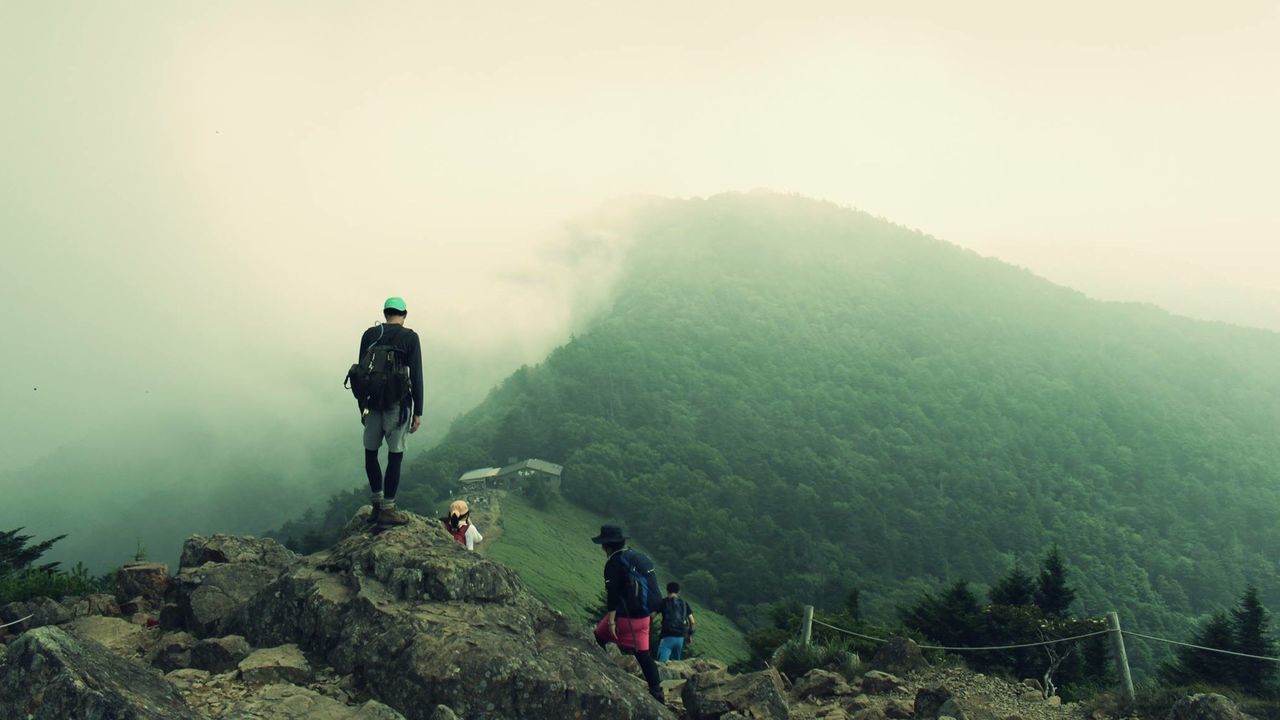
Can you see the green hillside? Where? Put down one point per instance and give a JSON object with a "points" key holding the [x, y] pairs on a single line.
{"points": [[788, 399], [552, 552]]}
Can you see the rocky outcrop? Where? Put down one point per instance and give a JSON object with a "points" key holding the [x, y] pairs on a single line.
{"points": [[234, 550], [819, 683], [101, 604], [217, 576], [51, 675], [759, 695], [876, 682], [287, 702], [422, 622], [1205, 706], [172, 651]]}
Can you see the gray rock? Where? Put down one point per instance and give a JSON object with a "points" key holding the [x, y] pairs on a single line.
{"points": [[185, 678], [288, 702], [423, 622], [899, 709], [819, 683], [209, 596], [52, 675], [1205, 706], [685, 669], [899, 656], [173, 651], [442, 712], [96, 604], [115, 634], [870, 713], [269, 666], [929, 700], [233, 550], [756, 695], [43, 611], [149, 581], [219, 655], [967, 708], [876, 682]]}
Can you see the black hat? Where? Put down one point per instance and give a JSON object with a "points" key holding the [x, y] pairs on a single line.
{"points": [[609, 535]]}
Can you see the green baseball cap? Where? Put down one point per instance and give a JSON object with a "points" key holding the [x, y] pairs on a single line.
{"points": [[395, 303]]}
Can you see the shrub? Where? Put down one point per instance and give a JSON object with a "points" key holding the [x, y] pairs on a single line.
{"points": [[794, 658]]}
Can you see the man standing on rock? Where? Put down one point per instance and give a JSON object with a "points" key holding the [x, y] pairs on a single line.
{"points": [[631, 596], [387, 381]]}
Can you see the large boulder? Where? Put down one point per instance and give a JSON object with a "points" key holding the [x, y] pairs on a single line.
{"points": [[217, 576], [759, 695], [149, 581], [899, 656], [270, 666], [287, 702], [219, 655], [819, 683], [209, 596], [115, 634], [1205, 706], [422, 622], [967, 708], [51, 675], [929, 700], [876, 682], [172, 651]]}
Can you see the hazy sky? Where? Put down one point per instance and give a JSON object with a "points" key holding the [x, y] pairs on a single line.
{"points": [[197, 196]]}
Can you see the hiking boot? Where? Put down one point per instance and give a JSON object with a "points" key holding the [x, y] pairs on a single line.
{"points": [[373, 514], [658, 695], [388, 517]]}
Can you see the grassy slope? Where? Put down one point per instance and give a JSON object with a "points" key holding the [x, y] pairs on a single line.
{"points": [[552, 552]]}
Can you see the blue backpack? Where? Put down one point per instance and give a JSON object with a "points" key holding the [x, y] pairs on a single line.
{"points": [[640, 595]]}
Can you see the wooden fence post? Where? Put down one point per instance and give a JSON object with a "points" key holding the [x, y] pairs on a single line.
{"points": [[806, 630], [1122, 659]]}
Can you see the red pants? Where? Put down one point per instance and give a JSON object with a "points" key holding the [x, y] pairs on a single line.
{"points": [[633, 633]]}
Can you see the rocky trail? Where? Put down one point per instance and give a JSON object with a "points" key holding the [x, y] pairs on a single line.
{"points": [[408, 625]]}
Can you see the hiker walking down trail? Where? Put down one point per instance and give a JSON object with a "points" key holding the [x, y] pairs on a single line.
{"points": [[677, 624], [631, 597], [460, 526], [387, 383]]}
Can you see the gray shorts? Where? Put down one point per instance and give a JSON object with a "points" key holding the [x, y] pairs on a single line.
{"points": [[379, 424]]}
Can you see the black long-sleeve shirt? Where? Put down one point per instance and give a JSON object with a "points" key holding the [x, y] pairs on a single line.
{"points": [[615, 583], [406, 342]]}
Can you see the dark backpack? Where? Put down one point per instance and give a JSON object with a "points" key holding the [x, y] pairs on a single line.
{"points": [[381, 378], [640, 593], [675, 617]]}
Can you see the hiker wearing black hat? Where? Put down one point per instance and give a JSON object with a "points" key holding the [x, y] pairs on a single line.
{"points": [[631, 597], [387, 383]]}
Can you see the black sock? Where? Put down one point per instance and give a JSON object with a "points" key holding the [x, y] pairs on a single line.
{"points": [[373, 470], [393, 474], [650, 670]]}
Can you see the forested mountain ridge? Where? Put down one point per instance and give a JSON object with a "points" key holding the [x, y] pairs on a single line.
{"points": [[788, 398]]}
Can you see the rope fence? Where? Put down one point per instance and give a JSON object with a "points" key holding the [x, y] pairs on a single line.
{"points": [[1113, 629], [15, 622]]}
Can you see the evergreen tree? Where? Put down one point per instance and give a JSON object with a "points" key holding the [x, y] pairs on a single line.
{"points": [[1249, 630], [1054, 596], [853, 604], [16, 555], [1202, 666], [1017, 589], [950, 619]]}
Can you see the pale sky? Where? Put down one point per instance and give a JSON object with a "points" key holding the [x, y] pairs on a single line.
{"points": [[190, 187]]}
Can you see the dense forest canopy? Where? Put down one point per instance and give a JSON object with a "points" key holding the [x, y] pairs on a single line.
{"points": [[788, 399]]}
